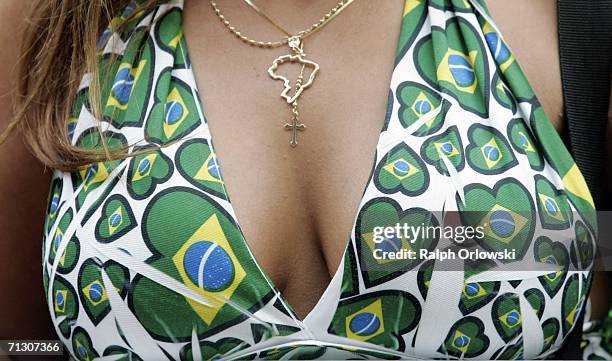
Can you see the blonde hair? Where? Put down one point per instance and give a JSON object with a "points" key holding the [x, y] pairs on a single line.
{"points": [[59, 46]]}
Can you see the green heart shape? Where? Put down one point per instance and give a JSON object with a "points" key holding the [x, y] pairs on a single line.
{"points": [[175, 112], [416, 101], [82, 346], [146, 171], [447, 145], [555, 253], [194, 223], [476, 295], [70, 257], [126, 105], [117, 219], [65, 303], [506, 212], [506, 316], [196, 162], [536, 299], [524, 143], [401, 170], [489, 152], [95, 174], [386, 212], [466, 339], [93, 294], [553, 206], [415, 14], [380, 318], [551, 331], [457, 45], [502, 93], [572, 302], [582, 250]]}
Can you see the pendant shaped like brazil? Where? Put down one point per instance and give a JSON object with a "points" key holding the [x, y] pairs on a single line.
{"points": [[302, 85]]}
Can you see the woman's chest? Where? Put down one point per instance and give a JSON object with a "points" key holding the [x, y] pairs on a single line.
{"points": [[310, 194], [462, 131], [286, 196]]}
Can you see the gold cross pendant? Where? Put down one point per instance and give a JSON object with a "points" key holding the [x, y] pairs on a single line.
{"points": [[294, 127], [298, 57]]}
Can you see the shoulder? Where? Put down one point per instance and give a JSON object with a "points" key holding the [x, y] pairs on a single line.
{"points": [[13, 20], [13, 13]]}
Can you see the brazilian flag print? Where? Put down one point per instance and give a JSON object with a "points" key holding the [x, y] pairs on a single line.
{"points": [[144, 257]]}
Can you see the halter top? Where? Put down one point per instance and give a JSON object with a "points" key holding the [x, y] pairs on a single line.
{"points": [[144, 258]]}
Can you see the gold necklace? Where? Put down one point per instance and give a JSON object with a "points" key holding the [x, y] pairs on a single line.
{"points": [[296, 56]]}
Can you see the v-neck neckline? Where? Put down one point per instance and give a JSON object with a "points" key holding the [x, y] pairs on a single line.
{"points": [[379, 142]]}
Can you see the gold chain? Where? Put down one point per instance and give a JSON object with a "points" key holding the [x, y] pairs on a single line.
{"points": [[275, 44], [296, 56]]}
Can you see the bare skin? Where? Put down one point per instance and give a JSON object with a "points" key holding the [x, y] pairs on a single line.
{"points": [[23, 192], [298, 221], [295, 206]]}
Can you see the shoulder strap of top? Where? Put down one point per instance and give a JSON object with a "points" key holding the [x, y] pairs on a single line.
{"points": [[585, 43], [585, 49]]}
